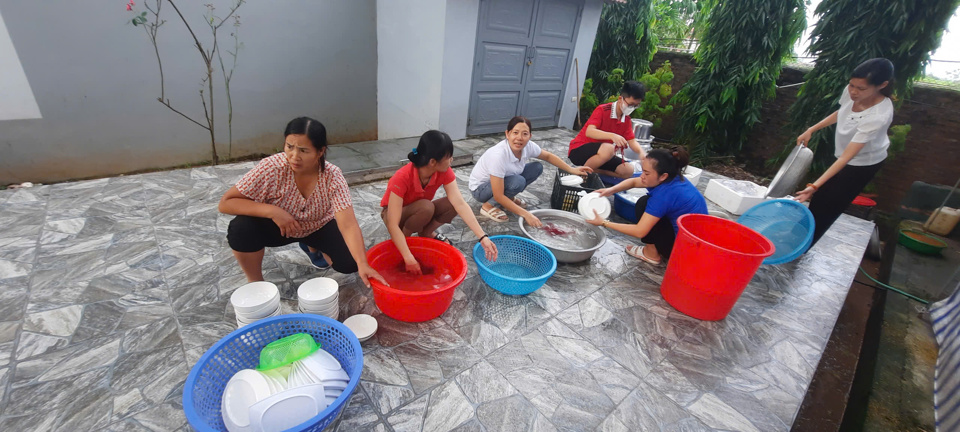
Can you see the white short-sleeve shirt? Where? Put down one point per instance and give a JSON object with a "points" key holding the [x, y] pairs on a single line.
{"points": [[499, 161], [868, 127]]}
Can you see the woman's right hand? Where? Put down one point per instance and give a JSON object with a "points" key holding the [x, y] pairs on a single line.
{"points": [[605, 192], [619, 141], [532, 220], [804, 138], [285, 221], [412, 266]]}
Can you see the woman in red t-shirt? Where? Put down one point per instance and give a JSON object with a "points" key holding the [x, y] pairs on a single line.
{"points": [[408, 204], [296, 196]]}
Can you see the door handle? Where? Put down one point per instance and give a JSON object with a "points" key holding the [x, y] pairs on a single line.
{"points": [[531, 53]]}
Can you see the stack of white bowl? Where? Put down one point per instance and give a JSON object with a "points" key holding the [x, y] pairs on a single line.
{"points": [[319, 296], [282, 398], [255, 301]]}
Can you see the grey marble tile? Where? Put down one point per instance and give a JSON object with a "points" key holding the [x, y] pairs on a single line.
{"points": [[158, 334], [387, 397], [139, 369], [165, 417], [95, 355], [32, 344], [409, 418], [482, 383], [128, 404], [52, 395], [512, 413], [43, 422], [422, 368], [13, 298], [358, 414], [383, 366], [448, 408], [55, 322], [90, 411]]}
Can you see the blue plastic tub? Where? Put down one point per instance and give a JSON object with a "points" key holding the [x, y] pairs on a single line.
{"points": [[613, 181], [241, 350], [522, 265], [786, 223], [625, 208]]}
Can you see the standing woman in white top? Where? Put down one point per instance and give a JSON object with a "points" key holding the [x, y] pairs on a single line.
{"points": [[503, 171], [865, 114]]}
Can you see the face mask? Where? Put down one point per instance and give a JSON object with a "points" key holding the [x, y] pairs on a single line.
{"points": [[627, 109]]}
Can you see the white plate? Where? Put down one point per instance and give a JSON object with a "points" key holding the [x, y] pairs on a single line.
{"points": [[254, 296], [318, 290], [288, 409], [325, 360], [362, 325], [571, 180], [335, 385], [593, 201], [245, 389], [277, 376]]}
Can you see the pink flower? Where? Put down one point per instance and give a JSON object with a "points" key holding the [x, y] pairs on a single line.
{"points": [[129, 7]]}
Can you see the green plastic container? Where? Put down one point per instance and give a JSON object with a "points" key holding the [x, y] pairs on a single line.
{"points": [[282, 352], [921, 242]]}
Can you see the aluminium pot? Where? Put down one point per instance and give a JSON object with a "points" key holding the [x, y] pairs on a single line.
{"points": [[641, 129], [565, 255], [791, 173]]}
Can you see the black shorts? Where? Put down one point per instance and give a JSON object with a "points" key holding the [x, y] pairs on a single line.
{"points": [[252, 234], [580, 155], [661, 235]]}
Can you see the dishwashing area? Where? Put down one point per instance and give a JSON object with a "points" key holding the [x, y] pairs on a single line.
{"points": [[123, 309]]}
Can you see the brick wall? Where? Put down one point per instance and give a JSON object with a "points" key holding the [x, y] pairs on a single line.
{"points": [[932, 150]]}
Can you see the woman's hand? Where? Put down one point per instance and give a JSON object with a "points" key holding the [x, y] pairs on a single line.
{"points": [[285, 221], [805, 137], [532, 220], [605, 192], [618, 141], [366, 272], [412, 266], [581, 171], [489, 249], [805, 194], [597, 220]]}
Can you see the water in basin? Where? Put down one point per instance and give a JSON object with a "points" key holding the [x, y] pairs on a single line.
{"points": [[564, 234]]}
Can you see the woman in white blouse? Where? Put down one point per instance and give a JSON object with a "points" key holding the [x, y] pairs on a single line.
{"points": [[865, 114]]}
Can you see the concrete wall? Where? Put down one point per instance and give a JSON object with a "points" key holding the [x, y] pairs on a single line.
{"points": [[460, 43], [410, 53], [589, 22], [95, 80]]}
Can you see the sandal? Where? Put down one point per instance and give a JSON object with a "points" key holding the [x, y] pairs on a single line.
{"points": [[442, 238], [520, 202], [494, 214], [315, 257], [637, 252]]}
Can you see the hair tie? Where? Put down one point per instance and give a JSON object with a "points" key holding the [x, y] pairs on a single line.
{"points": [[414, 150]]}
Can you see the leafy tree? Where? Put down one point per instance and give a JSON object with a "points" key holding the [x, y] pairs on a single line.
{"points": [[673, 22], [738, 61], [623, 41], [654, 106], [851, 31]]}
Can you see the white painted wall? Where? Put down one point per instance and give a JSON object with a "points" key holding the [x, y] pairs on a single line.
{"points": [[582, 50], [460, 43], [16, 97], [410, 49]]}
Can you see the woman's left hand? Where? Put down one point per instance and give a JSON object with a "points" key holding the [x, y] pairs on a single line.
{"points": [[597, 220], [581, 171], [366, 272], [804, 195], [489, 249]]}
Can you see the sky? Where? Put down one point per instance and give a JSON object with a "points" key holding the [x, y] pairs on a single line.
{"points": [[949, 47]]}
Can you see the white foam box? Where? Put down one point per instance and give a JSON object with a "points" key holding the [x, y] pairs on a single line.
{"points": [[734, 196]]}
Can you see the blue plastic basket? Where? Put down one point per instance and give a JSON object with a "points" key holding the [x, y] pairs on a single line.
{"points": [[241, 350], [522, 265], [787, 223]]}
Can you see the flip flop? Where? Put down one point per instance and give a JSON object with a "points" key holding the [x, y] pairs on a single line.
{"points": [[637, 252], [315, 257], [494, 214], [442, 238]]}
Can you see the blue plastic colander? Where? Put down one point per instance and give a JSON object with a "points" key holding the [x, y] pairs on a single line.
{"points": [[241, 350], [787, 223], [522, 265]]}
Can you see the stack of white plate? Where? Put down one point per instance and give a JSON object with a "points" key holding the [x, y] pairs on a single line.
{"points": [[319, 368], [255, 301], [593, 201], [319, 296], [363, 326]]}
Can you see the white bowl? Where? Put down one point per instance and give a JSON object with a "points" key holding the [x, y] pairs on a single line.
{"points": [[318, 290], [323, 310], [263, 312], [593, 201], [362, 325], [289, 408], [245, 389], [254, 296], [249, 319], [320, 304]]}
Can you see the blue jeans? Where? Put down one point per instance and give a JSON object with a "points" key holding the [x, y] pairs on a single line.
{"points": [[512, 185]]}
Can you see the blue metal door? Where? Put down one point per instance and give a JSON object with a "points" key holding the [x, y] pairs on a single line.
{"points": [[523, 57]]}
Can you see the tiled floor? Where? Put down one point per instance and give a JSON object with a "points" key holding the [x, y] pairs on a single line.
{"points": [[113, 288]]}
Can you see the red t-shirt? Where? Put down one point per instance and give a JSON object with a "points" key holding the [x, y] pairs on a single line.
{"points": [[406, 184], [601, 118]]}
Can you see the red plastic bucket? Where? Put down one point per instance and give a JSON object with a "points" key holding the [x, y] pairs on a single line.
{"points": [[414, 305], [712, 262]]}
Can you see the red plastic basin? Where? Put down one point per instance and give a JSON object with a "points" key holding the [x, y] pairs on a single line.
{"points": [[712, 262], [414, 304]]}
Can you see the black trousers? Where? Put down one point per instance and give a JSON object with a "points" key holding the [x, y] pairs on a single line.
{"points": [[661, 235], [252, 234], [836, 195]]}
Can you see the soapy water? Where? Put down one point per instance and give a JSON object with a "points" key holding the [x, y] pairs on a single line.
{"points": [[564, 234], [431, 279], [743, 187]]}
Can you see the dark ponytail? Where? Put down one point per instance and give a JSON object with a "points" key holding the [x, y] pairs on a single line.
{"points": [[876, 71], [670, 162], [314, 131], [433, 144]]}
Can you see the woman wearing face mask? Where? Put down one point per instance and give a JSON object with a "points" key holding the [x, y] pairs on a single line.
{"points": [[505, 170], [865, 114], [609, 129], [408, 204], [669, 196], [296, 196]]}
